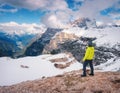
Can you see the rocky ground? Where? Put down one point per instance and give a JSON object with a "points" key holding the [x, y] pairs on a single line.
{"points": [[71, 82]]}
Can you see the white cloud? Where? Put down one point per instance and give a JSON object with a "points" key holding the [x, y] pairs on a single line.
{"points": [[90, 9], [47, 5], [93, 8], [15, 28], [53, 21], [37, 4], [10, 10], [79, 0], [57, 5], [59, 13], [59, 19]]}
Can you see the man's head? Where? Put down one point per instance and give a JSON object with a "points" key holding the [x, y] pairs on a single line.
{"points": [[90, 43]]}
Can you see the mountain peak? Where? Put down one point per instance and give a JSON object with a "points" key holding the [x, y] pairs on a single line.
{"points": [[84, 22]]}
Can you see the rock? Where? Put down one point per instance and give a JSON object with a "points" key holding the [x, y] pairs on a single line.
{"points": [[23, 66]]}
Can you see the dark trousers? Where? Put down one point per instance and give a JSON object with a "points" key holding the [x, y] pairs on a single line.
{"points": [[90, 64]]}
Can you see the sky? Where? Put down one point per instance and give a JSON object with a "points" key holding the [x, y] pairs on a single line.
{"points": [[54, 13]]}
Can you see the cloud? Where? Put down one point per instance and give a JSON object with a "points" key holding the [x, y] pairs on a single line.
{"points": [[115, 11], [37, 4], [92, 8], [51, 20], [28, 4], [58, 20], [79, 0], [59, 14], [10, 10], [19, 29], [89, 8], [44, 5], [57, 5]]}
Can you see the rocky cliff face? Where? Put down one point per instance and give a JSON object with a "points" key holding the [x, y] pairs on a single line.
{"points": [[102, 82], [77, 46], [36, 48], [58, 39], [7, 48], [14, 45]]}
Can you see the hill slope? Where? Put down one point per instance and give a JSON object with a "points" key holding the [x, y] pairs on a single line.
{"points": [[102, 82]]}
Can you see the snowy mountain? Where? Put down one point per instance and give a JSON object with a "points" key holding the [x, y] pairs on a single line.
{"points": [[87, 23], [12, 45], [107, 46], [106, 36], [14, 38], [73, 40], [63, 50], [84, 23]]}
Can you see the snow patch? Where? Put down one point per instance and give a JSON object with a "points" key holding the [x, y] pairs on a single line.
{"points": [[108, 36], [111, 65], [11, 71]]}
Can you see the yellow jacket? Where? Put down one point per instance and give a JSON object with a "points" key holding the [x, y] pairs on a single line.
{"points": [[89, 54]]}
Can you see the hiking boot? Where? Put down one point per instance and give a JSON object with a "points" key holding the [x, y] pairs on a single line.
{"points": [[83, 75], [91, 74]]}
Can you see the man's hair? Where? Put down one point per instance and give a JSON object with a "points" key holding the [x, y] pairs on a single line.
{"points": [[90, 44]]}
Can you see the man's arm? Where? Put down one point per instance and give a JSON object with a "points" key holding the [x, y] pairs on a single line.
{"points": [[86, 55]]}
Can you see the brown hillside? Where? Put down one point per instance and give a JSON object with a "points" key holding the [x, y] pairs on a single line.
{"points": [[71, 82]]}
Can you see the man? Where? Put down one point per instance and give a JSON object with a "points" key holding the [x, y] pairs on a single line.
{"points": [[88, 58]]}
